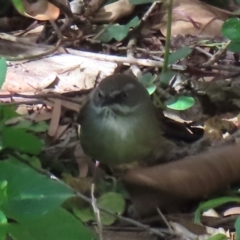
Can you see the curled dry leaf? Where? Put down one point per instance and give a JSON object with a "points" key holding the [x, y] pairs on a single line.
{"points": [[40, 10], [232, 211], [193, 17], [113, 11], [191, 178], [215, 126]]}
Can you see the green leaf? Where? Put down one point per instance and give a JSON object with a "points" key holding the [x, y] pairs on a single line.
{"points": [[3, 191], [180, 103], [151, 89], [237, 227], [3, 71], [118, 32], [113, 202], [234, 47], [179, 54], [31, 126], [19, 6], [85, 214], [166, 77], [7, 112], [32, 160], [20, 140], [218, 236], [213, 203], [55, 225], [3, 219], [231, 29], [3, 232], [147, 81], [138, 2], [29, 193]]}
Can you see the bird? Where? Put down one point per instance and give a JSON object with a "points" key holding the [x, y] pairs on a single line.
{"points": [[119, 123]]}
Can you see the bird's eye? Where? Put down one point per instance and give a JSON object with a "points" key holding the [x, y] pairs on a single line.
{"points": [[123, 95], [100, 95]]}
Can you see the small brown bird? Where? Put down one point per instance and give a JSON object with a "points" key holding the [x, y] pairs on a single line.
{"points": [[119, 125]]}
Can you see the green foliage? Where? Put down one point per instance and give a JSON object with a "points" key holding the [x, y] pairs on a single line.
{"points": [[237, 227], [218, 236], [166, 77], [180, 103], [3, 71], [112, 201], [231, 30], [147, 81], [234, 47], [31, 126], [3, 219], [212, 203], [20, 140], [118, 32], [179, 54], [26, 189], [7, 112], [17, 137], [19, 6], [56, 224], [33, 201]]}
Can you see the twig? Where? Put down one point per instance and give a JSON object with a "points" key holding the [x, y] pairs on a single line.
{"points": [[117, 59], [165, 220], [218, 54], [44, 96], [203, 51], [147, 14], [30, 102], [68, 17], [96, 212], [219, 67], [130, 54]]}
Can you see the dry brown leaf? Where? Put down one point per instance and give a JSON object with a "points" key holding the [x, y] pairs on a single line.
{"points": [[191, 178], [186, 221], [40, 10], [39, 117], [195, 18], [22, 110], [113, 11], [232, 211], [61, 129], [56, 113], [214, 127], [72, 106]]}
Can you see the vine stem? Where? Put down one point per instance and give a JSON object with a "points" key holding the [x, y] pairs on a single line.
{"points": [[168, 35]]}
